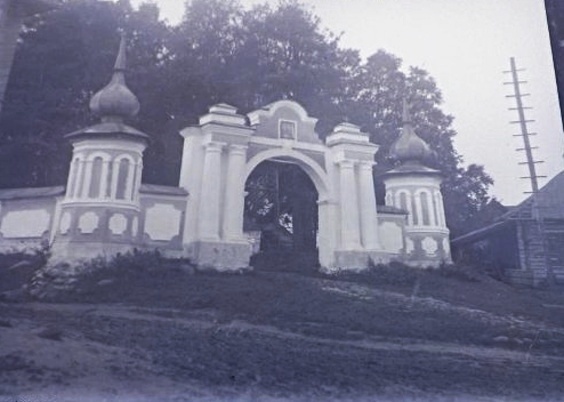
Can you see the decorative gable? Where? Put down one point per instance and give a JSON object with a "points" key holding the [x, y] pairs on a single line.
{"points": [[286, 120]]}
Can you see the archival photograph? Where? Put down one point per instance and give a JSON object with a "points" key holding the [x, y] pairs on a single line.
{"points": [[281, 200]]}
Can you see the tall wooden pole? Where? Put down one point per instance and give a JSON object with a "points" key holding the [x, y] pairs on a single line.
{"points": [[536, 206], [525, 134]]}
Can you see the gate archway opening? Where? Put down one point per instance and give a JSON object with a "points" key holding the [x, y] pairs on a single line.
{"points": [[281, 214]]}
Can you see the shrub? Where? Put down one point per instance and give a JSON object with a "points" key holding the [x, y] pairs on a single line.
{"points": [[463, 273], [135, 261], [399, 274], [17, 268], [393, 273], [125, 271]]}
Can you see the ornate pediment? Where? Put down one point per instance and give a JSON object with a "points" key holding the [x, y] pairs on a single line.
{"points": [[286, 120]]}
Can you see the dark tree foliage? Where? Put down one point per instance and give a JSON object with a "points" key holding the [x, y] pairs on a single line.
{"points": [[219, 53], [63, 58]]}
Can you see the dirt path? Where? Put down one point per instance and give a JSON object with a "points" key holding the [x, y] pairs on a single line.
{"points": [[120, 352], [207, 321]]}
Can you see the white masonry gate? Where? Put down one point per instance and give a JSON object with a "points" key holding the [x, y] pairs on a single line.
{"points": [[222, 151]]}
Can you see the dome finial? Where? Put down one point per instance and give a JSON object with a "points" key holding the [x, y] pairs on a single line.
{"points": [[406, 116], [409, 147], [121, 59], [115, 101]]}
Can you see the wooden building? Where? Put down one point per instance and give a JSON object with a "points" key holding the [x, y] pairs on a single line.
{"points": [[526, 244]]}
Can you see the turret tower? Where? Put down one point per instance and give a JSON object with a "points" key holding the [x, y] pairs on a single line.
{"points": [[415, 188], [100, 211]]}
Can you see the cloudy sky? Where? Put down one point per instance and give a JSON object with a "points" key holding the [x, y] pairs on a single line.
{"points": [[465, 45]]}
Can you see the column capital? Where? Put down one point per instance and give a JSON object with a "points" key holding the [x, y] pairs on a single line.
{"points": [[346, 163], [237, 148], [366, 165], [214, 146]]}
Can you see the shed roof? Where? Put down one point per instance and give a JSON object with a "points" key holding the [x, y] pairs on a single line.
{"points": [[549, 203]]}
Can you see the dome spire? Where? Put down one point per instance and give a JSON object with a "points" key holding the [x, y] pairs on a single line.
{"points": [[406, 115], [409, 147], [115, 102], [121, 59]]}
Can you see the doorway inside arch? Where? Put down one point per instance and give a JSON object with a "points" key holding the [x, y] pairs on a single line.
{"points": [[281, 215]]}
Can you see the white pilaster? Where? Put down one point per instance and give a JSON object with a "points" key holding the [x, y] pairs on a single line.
{"points": [[350, 220], [234, 194], [139, 167], [390, 199], [409, 208], [211, 189], [419, 209], [327, 237], [430, 207], [369, 222], [441, 209], [115, 172], [87, 178], [104, 179], [435, 209], [71, 181], [130, 181]]}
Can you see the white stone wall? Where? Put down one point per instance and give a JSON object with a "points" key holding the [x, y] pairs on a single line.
{"points": [[26, 223], [392, 235], [161, 220]]}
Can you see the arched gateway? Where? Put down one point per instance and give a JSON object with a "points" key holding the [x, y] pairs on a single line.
{"points": [[105, 208], [223, 150]]}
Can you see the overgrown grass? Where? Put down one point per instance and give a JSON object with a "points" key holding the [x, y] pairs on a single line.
{"points": [[334, 306], [131, 270], [17, 268], [299, 314], [399, 275]]}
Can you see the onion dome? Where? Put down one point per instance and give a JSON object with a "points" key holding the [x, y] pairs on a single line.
{"points": [[409, 147], [115, 101]]}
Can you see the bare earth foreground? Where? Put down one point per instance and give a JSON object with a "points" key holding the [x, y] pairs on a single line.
{"points": [[167, 334]]}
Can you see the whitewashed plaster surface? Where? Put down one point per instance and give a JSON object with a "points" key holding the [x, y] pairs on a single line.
{"points": [[118, 224], [391, 237], [162, 222], [65, 223], [446, 245], [409, 246], [429, 245], [88, 222], [28, 223], [135, 227]]}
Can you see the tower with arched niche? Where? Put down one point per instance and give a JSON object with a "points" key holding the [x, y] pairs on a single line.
{"points": [[225, 147], [415, 188], [99, 214]]}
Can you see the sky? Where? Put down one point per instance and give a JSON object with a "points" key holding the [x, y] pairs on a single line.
{"points": [[466, 46]]}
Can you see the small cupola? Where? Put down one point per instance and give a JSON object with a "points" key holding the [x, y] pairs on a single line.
{"points": [[409, 147], [115, 102]]}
